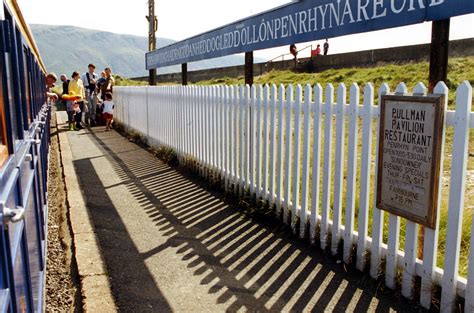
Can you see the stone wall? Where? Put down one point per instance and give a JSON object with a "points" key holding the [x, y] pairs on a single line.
{"points": [[457, 48]]}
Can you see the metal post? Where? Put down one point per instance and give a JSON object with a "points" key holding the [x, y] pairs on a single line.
{"points": [[249, 68], [439, 53], [184, 74], [153, 27]]}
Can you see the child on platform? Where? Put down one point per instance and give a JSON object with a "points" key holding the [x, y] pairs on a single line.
{"points": [[108, 110]]}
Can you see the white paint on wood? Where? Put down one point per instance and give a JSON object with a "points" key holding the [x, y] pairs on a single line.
{"points": [[430, 245], [338, 168], [305, 165], [456, 196], [352, 156], [316, 173], [326, 201]]}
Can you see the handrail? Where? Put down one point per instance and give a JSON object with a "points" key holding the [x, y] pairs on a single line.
{"points": [[285, 54]]}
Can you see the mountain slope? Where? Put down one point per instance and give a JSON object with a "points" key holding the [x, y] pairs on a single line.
{"points": [[65, 49]]}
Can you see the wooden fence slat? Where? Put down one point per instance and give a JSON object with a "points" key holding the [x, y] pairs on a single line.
{"points": [[266, 105], [391, 267], [253, 115], [365, 177], [221, 129], [305, 165], [469, 304], [201, 129], [296, 159], [274, 97], [288, 144], [280, 160], [456, 195], [430, 249], [216, 131], [246, 137], [230, 136], [338, 168], [242, 140], [411, 240], [236, 117], [327, 170], [225, 125], [205, 108], [378, 215], [392, 251], [212, 121], [316, 172], [411, 248], [353, 135], [258, 152]]}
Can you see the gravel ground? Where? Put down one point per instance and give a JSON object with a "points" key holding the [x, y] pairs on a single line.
{"points": [[62, 292]]}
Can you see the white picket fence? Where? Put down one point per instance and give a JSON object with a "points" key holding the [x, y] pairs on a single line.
{"points": [[277, 143]]}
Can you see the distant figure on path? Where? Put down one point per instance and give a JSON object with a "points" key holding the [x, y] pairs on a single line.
{"points": [[89, 79], [326, 47], [294, 52], [316, 52]]}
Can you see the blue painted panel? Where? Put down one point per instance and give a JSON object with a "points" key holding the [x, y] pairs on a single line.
{"points": [[21, 285], [305, 21], [4, 300], [34, 244]]}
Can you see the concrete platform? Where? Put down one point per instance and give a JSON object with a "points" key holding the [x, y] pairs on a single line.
{"points": [[163, 243]]}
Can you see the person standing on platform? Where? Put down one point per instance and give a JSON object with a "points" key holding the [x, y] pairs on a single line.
{"points": [[326, 47], [89, 79], [77, 88], [109, 83], [51, 79], [65, 86]]}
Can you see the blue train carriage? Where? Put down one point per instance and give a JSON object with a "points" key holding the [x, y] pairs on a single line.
{"points": [[24, 151]]}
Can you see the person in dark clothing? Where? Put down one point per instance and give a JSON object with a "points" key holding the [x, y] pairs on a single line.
{"points": [[70, 113], [326, 47], [294, 52], [65, 82]]}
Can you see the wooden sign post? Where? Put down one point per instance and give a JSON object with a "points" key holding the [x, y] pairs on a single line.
{"points": [[249, 68], [409, 156]]}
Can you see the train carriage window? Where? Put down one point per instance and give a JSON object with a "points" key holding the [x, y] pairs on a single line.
{"points": [[3, 127], [11, 71], [26, 87]]}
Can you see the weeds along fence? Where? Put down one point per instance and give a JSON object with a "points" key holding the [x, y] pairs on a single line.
{"points": [[310, 153]]}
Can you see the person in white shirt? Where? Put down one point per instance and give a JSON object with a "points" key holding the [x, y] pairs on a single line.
{"points": [[108, 110], [89, 79]]}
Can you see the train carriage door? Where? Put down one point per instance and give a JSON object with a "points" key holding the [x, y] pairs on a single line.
{"points": [[15, 263]]}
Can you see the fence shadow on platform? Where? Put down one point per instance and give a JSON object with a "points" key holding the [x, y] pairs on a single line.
{"points": [[247, 264]]}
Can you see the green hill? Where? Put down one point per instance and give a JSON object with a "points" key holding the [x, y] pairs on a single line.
{"points": [[65, 49]]}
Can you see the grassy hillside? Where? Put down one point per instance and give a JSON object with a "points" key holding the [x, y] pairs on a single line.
{"points": [[460, 69], [66, 49]]}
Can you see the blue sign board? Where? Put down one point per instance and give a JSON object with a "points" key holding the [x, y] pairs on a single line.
{"points": [[304, 21]]}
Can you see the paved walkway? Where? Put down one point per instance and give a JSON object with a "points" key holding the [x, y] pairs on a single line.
{"points": [[170, 245]]}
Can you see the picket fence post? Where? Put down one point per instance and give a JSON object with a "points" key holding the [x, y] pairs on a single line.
{"points": [[456, 196]]}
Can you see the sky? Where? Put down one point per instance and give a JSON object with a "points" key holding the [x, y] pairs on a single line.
{"points": [[180, 19]]}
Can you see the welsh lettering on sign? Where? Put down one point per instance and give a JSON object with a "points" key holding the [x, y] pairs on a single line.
{"points": [[409, 156], [305, 21]]}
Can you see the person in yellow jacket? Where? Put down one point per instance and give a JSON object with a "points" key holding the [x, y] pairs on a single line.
{"points": [[77, 87]]}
